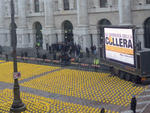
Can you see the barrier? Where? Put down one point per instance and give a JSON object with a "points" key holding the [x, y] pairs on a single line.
{"points": [[74, 63], [85, 65], [47, 60], [32, 58], [39, 59], [19, 57], [58, 62], [98, 66]]}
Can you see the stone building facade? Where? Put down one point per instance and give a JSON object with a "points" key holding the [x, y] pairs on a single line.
{"points": [[56, 21]]}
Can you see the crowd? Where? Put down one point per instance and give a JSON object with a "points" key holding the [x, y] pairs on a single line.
{"points": [[64, 52]]}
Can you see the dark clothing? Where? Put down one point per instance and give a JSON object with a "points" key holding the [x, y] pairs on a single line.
{"points": [[44, 57], [133, 104], [54, 56], [38, 55], [22, 55], [102, 110], [6, 56], [87, 52], [26, 54], [0, 50], [49, 49]]}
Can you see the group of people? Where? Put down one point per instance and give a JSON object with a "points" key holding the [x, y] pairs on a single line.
{"points": [[93, 51], [70, 48], [64, 51]]}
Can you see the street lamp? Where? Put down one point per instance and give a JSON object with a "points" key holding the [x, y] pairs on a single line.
{"points": [[17, 105]]}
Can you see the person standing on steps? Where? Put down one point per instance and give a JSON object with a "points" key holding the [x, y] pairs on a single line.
{"points": [[133, 104]]}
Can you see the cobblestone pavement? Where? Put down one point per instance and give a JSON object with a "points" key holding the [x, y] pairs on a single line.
{"points": [[81, 95]]}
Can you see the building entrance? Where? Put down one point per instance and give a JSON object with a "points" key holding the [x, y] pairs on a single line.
{"points": [[38, 34], [68, 32], [101, 25]]}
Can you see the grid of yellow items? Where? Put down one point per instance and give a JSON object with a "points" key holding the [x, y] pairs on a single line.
{"points": [[87, 85], [2, 61], [27, 71], [38, 104]]}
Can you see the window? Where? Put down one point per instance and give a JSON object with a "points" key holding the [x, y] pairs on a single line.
{"points": [[103, 3], [66, 4], [36, 6], [147, 1]]}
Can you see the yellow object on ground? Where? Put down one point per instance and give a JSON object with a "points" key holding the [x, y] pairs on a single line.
{"points": [[2, 61], [87, 85], [38, 104], [26, 70]]}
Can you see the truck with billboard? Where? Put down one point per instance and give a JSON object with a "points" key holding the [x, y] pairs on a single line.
{"points": [[122, 54]]}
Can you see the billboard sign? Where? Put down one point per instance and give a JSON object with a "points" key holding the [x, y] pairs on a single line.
{"points": [[119, 45]]}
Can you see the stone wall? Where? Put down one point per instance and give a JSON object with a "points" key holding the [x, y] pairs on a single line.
{"points": [[83, 14]]}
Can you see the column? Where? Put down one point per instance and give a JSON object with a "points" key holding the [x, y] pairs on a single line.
{"points": [[16, 8], [71, 4], [31, 6], [110, 3], [22, 13], [49, 30], [2, 13], [82, 29], [22, 24], [49, 16], [8, 8], [125, 13], [96, 3], [82, 12], [32, 37], [41, 5], [60, 5], [2, 21]]}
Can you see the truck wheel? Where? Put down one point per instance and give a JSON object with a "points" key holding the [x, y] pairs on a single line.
{"points": [[122, 75], [132, 78], [116, 71], [128, 77], [111, 69], [136, 79]]}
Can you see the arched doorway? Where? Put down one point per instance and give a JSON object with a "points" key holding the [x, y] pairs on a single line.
{"points": [[68, 31], [38, 34], [102, 23], [147, 33], [100, 28]]}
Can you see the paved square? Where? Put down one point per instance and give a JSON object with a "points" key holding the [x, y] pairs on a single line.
{"points": [[87, 85], [27, 71], [38, 104], [46, 89]]}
